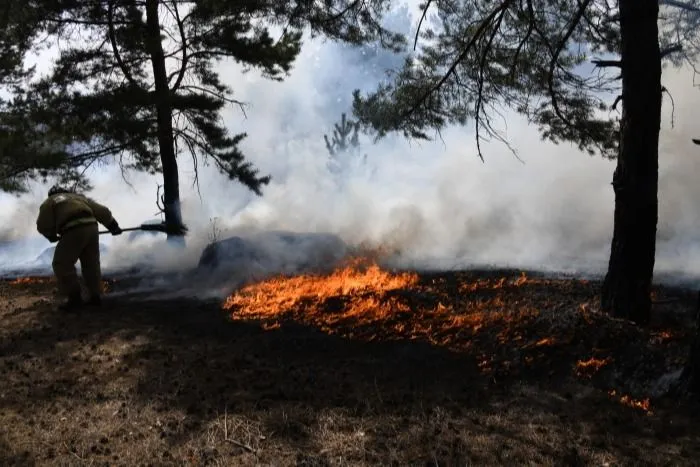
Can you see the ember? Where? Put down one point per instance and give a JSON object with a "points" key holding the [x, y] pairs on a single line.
{"points": [[643, 404], [28, 280], [587, 368], [545, 341], [495, 284], [663, 337]]}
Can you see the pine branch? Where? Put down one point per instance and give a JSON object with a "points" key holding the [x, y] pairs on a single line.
{"points": [[420, 22], [115, 47], [607, 63], [480, 84], [682, 5], [555, 58], [477, 35], [670, 50], [183, 42]]}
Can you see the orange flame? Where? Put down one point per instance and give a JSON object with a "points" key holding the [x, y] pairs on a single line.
{"points": [[273, 296], [587, 368], [29, 280], [491, 284], [366, 302], [662, 337], [643, 404], [545, 341]]}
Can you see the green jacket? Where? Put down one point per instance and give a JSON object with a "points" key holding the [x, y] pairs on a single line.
{"points": [[65, 210]]}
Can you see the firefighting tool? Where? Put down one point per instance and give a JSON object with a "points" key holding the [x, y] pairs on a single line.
{"points": [[163, 227]]}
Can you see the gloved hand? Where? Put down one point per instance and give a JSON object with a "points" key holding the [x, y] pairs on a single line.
{"points": [[114, 228], [53, 238]]}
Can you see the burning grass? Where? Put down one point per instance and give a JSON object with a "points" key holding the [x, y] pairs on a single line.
{"points": [[362, 300], [624, 399], [490, 368], [587, 368], [268, 298], [30, 280], [511, 324]]}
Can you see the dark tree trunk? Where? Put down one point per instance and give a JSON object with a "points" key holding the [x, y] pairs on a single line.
{"points": [[171, 185], [627, 286]]}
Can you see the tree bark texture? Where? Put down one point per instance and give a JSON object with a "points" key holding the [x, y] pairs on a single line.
{"points": [[627, 286], [164, 113]]}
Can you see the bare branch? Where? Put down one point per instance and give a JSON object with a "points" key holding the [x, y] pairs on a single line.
{"points": [[477, 35], [673, 104], [224, 98], [159, 201], [83, 22], [555, 59], [425, 12], [115, 47], [518, 50], [607, 63], [343, 11], [122, 171], [479, 98], [673, 49], [682, 5], [617, 101], [183, 39]]}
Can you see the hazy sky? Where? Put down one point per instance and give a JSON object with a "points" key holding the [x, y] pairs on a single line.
{"points": [[435, 200]]}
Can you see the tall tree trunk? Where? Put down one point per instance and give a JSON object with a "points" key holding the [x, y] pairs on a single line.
{"points": [[171, 185], [627, 286]]}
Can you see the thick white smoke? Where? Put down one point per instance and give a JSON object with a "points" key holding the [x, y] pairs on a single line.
{"points": [[434, 202]]}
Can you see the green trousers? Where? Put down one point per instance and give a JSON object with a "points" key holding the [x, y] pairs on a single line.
{"points": [[79, 243]]}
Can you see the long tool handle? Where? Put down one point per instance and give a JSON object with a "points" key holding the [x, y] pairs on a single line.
{"points": [[128, 229]]}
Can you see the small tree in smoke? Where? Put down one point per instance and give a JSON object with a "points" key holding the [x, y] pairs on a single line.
{"points": [[345, 140], [343, 144], [119, 90], [345, 136], [215, 232], [531, 56]]}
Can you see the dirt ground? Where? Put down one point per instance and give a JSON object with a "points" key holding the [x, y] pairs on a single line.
{"points": [[534, 376]]}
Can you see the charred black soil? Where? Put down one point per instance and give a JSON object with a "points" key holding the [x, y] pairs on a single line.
{"points": [[465, 368]]}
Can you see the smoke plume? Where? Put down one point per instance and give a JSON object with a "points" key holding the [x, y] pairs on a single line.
{"points": [[434, 204]]}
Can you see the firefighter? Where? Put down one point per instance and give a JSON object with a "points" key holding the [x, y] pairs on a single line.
{"points": [[71, 219]]}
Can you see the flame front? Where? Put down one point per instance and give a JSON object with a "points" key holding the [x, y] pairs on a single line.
{"points": [[365, 301], [642, 404], [358, 291], [587, 368], [270, 297], [29, 280], [502, 323]]}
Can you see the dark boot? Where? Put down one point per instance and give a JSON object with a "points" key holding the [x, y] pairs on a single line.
{"points": [[74, 303]]}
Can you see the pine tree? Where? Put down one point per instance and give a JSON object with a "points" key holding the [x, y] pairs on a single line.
{"points": [[343, 145], [16, 34], [137, 79], [528, 55], [20, 143], [345, 136]]}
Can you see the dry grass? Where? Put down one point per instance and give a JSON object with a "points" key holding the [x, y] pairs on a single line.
{"points": [[181, 383]]}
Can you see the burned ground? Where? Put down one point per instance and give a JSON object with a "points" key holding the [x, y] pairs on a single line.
{"points": [[447, 369]]}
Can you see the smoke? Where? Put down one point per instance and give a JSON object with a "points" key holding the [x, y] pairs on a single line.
{"points": [[15, 217], [435, 204]]}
